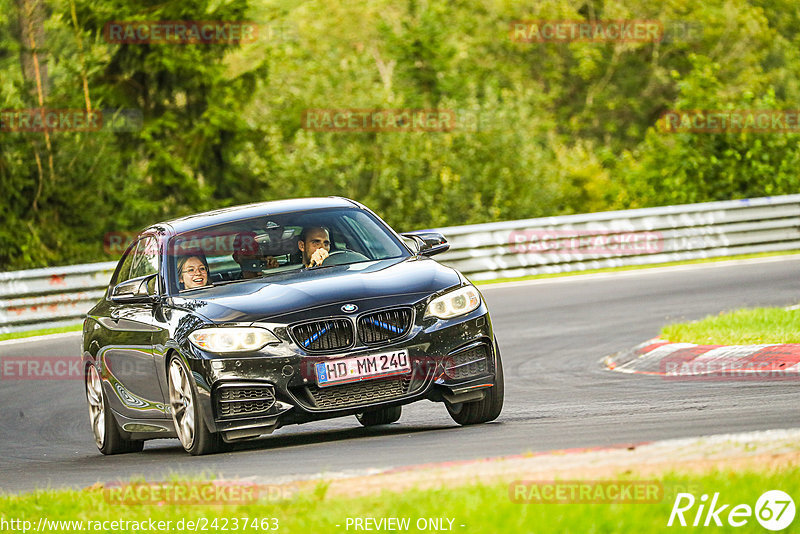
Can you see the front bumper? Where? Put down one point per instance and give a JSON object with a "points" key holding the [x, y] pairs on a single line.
{"points": [[250, 395]]}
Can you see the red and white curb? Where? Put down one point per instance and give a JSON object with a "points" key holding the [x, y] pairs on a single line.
{"points": [[662, 358]]}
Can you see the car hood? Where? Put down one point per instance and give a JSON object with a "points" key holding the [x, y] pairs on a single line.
{"points": [[272, 297]]}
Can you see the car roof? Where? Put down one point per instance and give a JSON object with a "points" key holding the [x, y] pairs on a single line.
{"points": [[235, 213]]}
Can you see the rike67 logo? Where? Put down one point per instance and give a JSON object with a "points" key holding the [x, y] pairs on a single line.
{"points": [[774, 510]]}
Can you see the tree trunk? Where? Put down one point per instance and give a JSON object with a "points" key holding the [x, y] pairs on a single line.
{"points": [[31, 25]]}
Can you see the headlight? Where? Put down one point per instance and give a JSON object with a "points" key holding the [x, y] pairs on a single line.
{"points": [[232, 339], [454, 303]]}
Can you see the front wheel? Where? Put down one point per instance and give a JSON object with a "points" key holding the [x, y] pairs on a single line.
{"points": [[382, 416], [107, 436], [487, 409], [192, 431]]}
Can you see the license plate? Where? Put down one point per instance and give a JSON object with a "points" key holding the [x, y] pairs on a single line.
{"points": [[362, 368]]}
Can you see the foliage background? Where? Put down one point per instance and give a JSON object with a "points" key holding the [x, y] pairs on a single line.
{"points": [[550, 128]]}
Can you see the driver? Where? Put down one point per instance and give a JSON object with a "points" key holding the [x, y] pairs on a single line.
{"points": [[315, 244]]}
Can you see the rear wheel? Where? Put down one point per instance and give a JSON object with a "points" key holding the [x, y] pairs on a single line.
{"points": [[487, 409], [192, 431], [382, 416], [107, 436]]}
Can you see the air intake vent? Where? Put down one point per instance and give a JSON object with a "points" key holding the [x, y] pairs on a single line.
{"points": [[235, 401], [384, 325], [331, 334], [472, 362], [358, 393]]}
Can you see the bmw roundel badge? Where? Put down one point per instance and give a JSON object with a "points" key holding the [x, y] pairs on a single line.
{"points": [[349, 308]]}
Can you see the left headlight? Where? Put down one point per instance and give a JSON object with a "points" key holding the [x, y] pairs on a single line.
{"points": [[232, 339], [462, 300]]}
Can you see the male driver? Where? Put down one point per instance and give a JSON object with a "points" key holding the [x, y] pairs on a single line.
{"points": [[315, 243]]}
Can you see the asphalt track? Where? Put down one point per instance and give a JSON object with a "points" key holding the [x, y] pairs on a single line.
{"points": [[552, 335]]}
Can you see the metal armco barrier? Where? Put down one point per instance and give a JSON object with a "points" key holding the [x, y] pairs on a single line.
{"points": [[43, 298], [51, 297], [623, 238]]}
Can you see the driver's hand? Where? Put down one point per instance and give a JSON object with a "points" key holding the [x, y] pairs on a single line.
{"points": [[318, 257], [271, 262]]}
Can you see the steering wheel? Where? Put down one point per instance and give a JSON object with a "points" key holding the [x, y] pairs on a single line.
{"points": [[342, 257]]}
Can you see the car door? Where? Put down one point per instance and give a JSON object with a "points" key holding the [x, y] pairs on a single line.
{"points": [[127, 354]]}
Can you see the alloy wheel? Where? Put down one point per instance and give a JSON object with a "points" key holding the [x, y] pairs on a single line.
{"points": [[97, 413], [181, 404]]}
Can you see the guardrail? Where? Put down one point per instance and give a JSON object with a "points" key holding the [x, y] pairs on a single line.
{"points": [[57, 296], [623, 238], [51, 297]]}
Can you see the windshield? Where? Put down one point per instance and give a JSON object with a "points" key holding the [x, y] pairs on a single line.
{"points": [[270, 245]]}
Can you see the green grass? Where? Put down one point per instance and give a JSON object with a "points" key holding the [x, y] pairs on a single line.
{"points": [[740, 327], [41, 332], [638, 267], [481, 509]]}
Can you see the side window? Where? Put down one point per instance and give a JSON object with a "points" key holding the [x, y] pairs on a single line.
{"points": [[125, 267], [145, 259]]}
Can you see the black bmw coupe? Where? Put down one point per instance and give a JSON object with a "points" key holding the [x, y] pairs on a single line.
{"points": [[226, 325]]}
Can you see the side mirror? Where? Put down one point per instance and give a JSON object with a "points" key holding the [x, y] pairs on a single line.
{"points": [[428, 243], [142, 289]]}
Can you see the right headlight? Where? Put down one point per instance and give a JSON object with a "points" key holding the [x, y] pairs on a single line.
{"points": [[232, 339], [462, 300]]}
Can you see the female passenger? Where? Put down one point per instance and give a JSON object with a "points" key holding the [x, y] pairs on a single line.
{"points": [[192, 272]]}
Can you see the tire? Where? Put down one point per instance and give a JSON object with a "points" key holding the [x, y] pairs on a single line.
{"points": [[488, 409], [382, 416], [192, 430], [107, 436]]}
